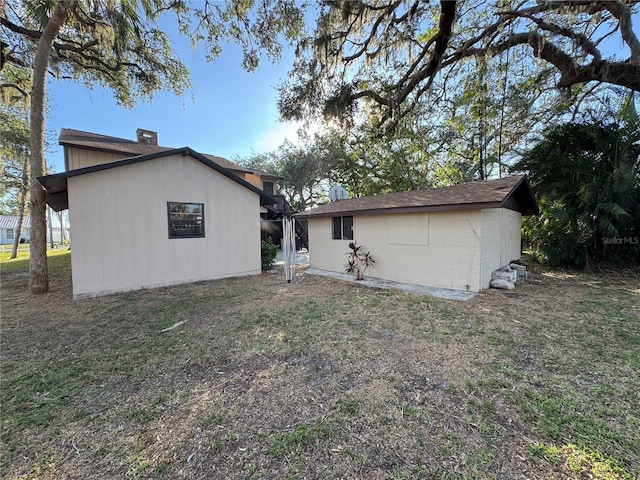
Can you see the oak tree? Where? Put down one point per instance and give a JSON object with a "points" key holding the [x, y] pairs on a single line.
{"points": [[389, 54]]}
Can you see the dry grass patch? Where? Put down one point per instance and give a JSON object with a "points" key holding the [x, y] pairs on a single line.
{"points": [[321, 379]]}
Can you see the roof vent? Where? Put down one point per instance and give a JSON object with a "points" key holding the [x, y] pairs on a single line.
{"points": [[147, 137]]}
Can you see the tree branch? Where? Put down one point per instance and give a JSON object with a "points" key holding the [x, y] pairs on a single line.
{"points": [[15, 87], [445, 26], [579, 38], [625, 74], [34, 34], [623, 13]]}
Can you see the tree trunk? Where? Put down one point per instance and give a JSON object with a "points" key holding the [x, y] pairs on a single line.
{"points": [[63, 233], [50, 227], [22, 206], [38, 271]]}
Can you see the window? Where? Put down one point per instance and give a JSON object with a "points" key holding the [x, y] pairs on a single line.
{"points": [[342, 228], [10, 234], [267, 187], [186, 220]]}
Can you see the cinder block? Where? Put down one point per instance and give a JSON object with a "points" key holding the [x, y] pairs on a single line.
{"points": [[509, 275], [523, 274]]}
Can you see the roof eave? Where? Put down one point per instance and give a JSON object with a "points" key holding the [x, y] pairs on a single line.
{"points": [[56, 183], [526, 204], [412, 209]]}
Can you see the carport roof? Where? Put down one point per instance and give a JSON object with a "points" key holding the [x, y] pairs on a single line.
{"points": [[510, 192], [56, 184]]}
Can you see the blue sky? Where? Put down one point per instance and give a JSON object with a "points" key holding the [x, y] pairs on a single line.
{"points": [[233, 112]]}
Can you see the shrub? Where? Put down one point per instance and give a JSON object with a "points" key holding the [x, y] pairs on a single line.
{"points": [[268, 252], [358, 261]]}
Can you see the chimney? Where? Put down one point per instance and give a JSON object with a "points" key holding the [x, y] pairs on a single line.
{"points": [[147, 137]]}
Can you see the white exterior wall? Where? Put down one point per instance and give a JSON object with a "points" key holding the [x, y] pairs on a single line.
{"points": [[120, 227], [439, 248], [8, 234], [501, 232]]}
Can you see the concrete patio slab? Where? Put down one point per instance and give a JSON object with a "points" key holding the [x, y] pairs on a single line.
{"points": [[373, 282]]}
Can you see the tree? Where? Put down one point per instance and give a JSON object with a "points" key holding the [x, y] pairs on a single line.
{"points": [[305, 169], [99, 42], [588, 178], [116, 45], [14, 145], [389, 55]]}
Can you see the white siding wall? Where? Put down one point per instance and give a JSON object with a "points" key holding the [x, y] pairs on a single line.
{"points": [[441, 248], [512, 238], [500, 240], [6, 235], [120, 227]]}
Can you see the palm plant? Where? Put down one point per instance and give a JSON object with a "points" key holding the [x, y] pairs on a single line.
{"points": [[588, 179], [358, 261]]}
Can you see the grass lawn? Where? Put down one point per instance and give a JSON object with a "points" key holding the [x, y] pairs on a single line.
{"points": [[321, 379]]}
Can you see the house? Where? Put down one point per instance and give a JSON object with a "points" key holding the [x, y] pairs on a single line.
{"points": [[8, 227], [146, 216], [451, 237], [85, 149]]}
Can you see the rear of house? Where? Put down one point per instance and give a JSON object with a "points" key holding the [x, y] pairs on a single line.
{"points": [[85, 149], [452, 237], [162, 219]]}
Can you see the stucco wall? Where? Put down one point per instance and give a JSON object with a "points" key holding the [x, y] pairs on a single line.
{"points": [[500, 240], [81, 158], [120, 237], [439, 248]]}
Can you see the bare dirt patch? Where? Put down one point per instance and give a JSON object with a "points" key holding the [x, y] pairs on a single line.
{"points": [[321, 379]]}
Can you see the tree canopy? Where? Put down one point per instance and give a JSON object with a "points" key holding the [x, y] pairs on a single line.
{"points": [[120, 45], [390, 55]]}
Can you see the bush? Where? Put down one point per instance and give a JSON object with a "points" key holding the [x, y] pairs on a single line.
{"points": [[268, 252], [588, 185]]}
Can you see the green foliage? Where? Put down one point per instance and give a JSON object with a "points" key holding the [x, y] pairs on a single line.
{"points": [[14, 139], [119, 45], [552, 235], [104, 44], [588, 179], [398, 59], [304, 169], [268, 252]]}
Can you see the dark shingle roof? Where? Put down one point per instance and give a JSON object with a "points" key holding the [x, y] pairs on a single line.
{"points": [[104, 143], [509, 192], [56, 184]]}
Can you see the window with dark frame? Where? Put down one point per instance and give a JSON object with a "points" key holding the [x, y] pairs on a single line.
{"points": [[267, 187], [342, 228], [186, 220]]}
